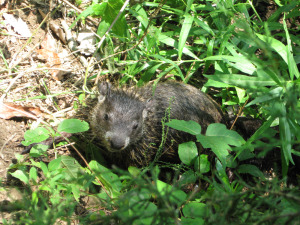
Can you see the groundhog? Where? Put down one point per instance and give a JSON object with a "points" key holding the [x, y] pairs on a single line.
{"points": [[128, 122]]}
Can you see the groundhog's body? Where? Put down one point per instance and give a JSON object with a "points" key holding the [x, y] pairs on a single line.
{"points": [[128, 121]]}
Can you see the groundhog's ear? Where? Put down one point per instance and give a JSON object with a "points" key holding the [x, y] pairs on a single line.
{"points": [[104, 91]]}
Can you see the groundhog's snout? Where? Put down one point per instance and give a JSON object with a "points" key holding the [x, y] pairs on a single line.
{"points": [[117, 142]]}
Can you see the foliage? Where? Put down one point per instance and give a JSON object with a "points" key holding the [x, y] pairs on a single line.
{"points": [[253, 63]]}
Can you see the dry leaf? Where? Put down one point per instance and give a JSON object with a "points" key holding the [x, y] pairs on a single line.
{"points": [[17, 24], [9, 110]]}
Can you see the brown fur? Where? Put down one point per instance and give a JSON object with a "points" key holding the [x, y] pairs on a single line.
{"points": [[128, 121]]}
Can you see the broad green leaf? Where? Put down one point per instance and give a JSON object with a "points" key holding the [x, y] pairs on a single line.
{"points": [[76, 191], [72, 167], [218, 138], [184, 33], [44, 168], [21, 175], [38, 150], [188, 177], [242, 81], [187, 152], [250, 169], [35, 136], [111, 12], [195, 210], [99, 9], [190, 127], [134, 171], [33, 174], [147, 208], [204, 164], [110, 180], [192, 221], [88, 11], [54, 164], [102, 28], [176, 196], [72, 126]]}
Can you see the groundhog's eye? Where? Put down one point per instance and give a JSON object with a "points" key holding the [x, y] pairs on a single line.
{"points": [[105, 116], [135, 125]]}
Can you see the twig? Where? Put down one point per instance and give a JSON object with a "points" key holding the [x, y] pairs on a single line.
{"points": [[9, 87], [239, 113], [5, 144], [113, 23]]}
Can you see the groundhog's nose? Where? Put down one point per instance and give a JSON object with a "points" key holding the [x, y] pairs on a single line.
{"points": [[117, 144]]}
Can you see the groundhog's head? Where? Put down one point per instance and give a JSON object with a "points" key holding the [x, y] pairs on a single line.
{"points": [[118, 117]]}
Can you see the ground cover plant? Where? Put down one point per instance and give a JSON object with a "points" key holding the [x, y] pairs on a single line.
{"points": [[244, 54]]}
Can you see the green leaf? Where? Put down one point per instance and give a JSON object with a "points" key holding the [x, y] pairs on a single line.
{"points": [[72, 126], [204, 26], [54, 164], [187, 152], [111, 12], [71, 166], [286, 139], [190, 127], [134, 171], [44, 168], [171, 42], [102, 28], [88, 11], [165, 60], [184, 33], [188, 177], [293, 70], [242, 81], [38, 150], [278, 46], [240, 62], [35, 136], [250, 169], [195, 210], [21, 175], [204, 164], [192, 221], [99, 9], [176, 196], [33, 174], [218, 138], [110, 180], [270, 95]]}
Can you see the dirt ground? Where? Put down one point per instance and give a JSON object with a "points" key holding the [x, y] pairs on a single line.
{"points": [[26, 78]]}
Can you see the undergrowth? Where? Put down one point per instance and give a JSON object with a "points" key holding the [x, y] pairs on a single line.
{"points": [[251, 63]]}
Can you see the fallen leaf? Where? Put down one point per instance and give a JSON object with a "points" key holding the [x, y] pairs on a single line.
{"points": [[9, 110], [17, 24]]}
